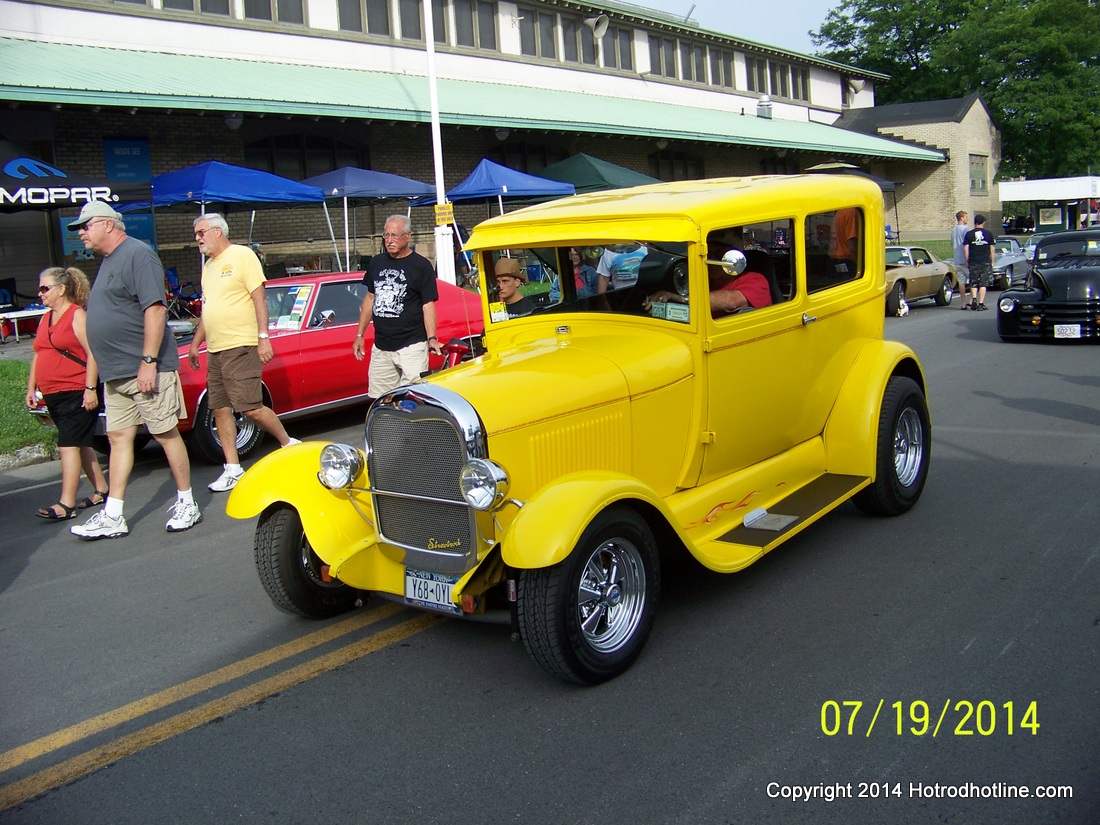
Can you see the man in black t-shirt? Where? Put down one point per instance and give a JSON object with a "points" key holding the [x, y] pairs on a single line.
{"points": [[979, 253], [400, 299]]}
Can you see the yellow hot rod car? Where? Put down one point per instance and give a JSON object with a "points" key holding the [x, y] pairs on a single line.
{"points": [[705, 375]]}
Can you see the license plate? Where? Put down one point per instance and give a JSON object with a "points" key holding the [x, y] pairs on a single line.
{"points": [[432, 590], [1067, 330]]}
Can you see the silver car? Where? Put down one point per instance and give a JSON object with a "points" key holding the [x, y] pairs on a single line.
{"points": [[1010, 264]]}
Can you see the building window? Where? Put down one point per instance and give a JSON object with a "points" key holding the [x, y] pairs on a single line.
{"points": [[298, 156], [800, 83], [475, 24], [409, 15], [617, 49], [662, 56], [979, 174], [778, 79], [757, 75], [285, 11], [578, 41], [669, 165], [526, 157], [721, 68], [693, 63], [376, 12], [538, 34]]}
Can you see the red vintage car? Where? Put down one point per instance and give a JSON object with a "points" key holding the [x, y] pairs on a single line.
{"points": [[312, 321]]}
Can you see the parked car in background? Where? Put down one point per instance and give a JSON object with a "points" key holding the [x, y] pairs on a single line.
{"points": [[1059, 297], [1031, 242], [312, 320], [912, 273], [542, 483], [1009, 264]]}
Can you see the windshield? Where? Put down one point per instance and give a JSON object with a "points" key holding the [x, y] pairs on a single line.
{"points": [[1077, 247], [748, 267]]}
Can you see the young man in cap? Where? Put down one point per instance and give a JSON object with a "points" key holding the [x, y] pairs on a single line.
{"points": [[234, 326], [980, 255], [138, 361], [400, 300], [510, 277]]}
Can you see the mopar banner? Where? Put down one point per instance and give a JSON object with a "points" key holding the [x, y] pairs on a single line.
{"points": [[29, 183]]}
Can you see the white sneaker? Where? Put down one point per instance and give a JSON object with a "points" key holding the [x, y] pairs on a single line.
{"points": [[101, 526], [292, 442], [226, 481], [184, 516]]}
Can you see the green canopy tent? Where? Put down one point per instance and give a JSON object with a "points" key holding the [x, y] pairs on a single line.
{"points": [[590, 174]]}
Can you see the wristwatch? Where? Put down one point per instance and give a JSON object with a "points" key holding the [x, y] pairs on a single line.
{"points": [[263, 335], [148, 359]]}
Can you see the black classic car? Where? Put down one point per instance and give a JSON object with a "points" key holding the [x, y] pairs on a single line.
{"points": [[1060, 296]]}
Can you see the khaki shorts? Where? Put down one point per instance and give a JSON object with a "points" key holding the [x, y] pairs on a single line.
{"points": [[160, 410], [233, 379], [389, 370]]}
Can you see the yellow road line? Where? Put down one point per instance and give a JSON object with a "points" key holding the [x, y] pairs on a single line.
{"points": [[39, 747], [77, 766]]}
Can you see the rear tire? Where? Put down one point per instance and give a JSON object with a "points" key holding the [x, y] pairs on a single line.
{"points": [[587, 618], [903, 452], [204, 435], [291, 572], [946, 293]]}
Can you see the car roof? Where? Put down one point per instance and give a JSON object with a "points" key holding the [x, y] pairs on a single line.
{"points": [[315, 278]]}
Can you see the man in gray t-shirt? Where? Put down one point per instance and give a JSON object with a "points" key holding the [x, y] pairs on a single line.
{"points": [[129, 337], [958, 236]]}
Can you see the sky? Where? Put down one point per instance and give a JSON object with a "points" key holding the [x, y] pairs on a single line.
{"points": [[783, 24]]}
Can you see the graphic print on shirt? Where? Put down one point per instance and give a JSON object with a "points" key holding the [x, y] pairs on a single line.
{"points": [[390, 291]]}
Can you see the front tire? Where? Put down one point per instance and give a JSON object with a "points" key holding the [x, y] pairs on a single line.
{"points": [[903, 452], [894, 299], [587, 618], [291, 572], [204, 435]]}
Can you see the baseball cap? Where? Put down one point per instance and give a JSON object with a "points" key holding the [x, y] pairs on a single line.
{"points": [[95, 209], [979, 218]]}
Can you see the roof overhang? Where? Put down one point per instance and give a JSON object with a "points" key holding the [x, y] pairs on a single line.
{"points": [[36, 71]]}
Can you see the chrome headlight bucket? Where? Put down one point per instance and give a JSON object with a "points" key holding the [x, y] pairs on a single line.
{"points": [[484, 484], [1007, 305], [340, 466]]}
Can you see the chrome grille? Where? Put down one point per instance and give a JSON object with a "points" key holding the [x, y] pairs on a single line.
{"points": [[417, 445]]}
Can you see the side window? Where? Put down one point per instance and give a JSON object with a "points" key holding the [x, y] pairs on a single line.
{"points": [[749, 267], [921, 256], [834, 248], [341, 299]]}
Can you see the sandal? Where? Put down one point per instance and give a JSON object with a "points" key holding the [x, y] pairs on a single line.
{"points": [[89, 501], [50, 514]]}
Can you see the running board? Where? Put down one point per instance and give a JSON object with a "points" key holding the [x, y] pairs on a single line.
{"points": [[763, 530]]}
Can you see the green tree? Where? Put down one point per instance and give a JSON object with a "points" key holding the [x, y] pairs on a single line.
{"points": [[1035, 63]]}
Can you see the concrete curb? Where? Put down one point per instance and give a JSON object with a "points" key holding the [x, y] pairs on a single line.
{"points": [[26, 456]]}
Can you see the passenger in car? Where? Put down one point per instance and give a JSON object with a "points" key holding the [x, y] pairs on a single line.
{"points": [[509, 277], [732, 289]]}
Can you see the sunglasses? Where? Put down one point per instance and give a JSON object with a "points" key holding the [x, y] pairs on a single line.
{"points": [[42, 290]]}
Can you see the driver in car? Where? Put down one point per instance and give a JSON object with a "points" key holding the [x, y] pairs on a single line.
{"points": [[732, 288]]}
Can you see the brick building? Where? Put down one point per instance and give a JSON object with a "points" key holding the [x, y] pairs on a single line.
{"points": [[300, 87], [928, 196]]}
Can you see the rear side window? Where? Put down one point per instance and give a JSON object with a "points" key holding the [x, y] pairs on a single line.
{"points": [[834, 253]]}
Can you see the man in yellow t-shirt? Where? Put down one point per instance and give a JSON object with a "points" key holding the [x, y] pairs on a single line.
{"points": [[234, 326]]}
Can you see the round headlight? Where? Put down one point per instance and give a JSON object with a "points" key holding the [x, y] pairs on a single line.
{"points": [[484, 484], [1007, 305], [340, 465]]}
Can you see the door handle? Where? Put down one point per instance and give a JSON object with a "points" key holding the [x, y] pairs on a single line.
{"points": [[808, 319]]}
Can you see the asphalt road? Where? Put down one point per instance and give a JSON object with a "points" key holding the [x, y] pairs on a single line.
{"points": [[150, 680]]}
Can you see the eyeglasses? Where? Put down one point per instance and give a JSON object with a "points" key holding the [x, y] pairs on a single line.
{"points": [[200, 233], [42, 290], [393, 236], [89, 225]]}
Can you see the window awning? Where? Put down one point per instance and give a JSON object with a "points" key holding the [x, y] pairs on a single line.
{"points": [[71, 74]]}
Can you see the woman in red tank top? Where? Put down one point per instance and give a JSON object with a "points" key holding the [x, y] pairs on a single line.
{"points": [[65, 372]]}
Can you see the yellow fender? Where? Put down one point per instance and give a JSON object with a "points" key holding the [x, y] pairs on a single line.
{"points": [[289, 475], [851, 434], [550, 523]]}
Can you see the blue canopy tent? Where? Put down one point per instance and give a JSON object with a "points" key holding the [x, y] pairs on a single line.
{"points": [[230, 187], [491, 180], [366, 186]]}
